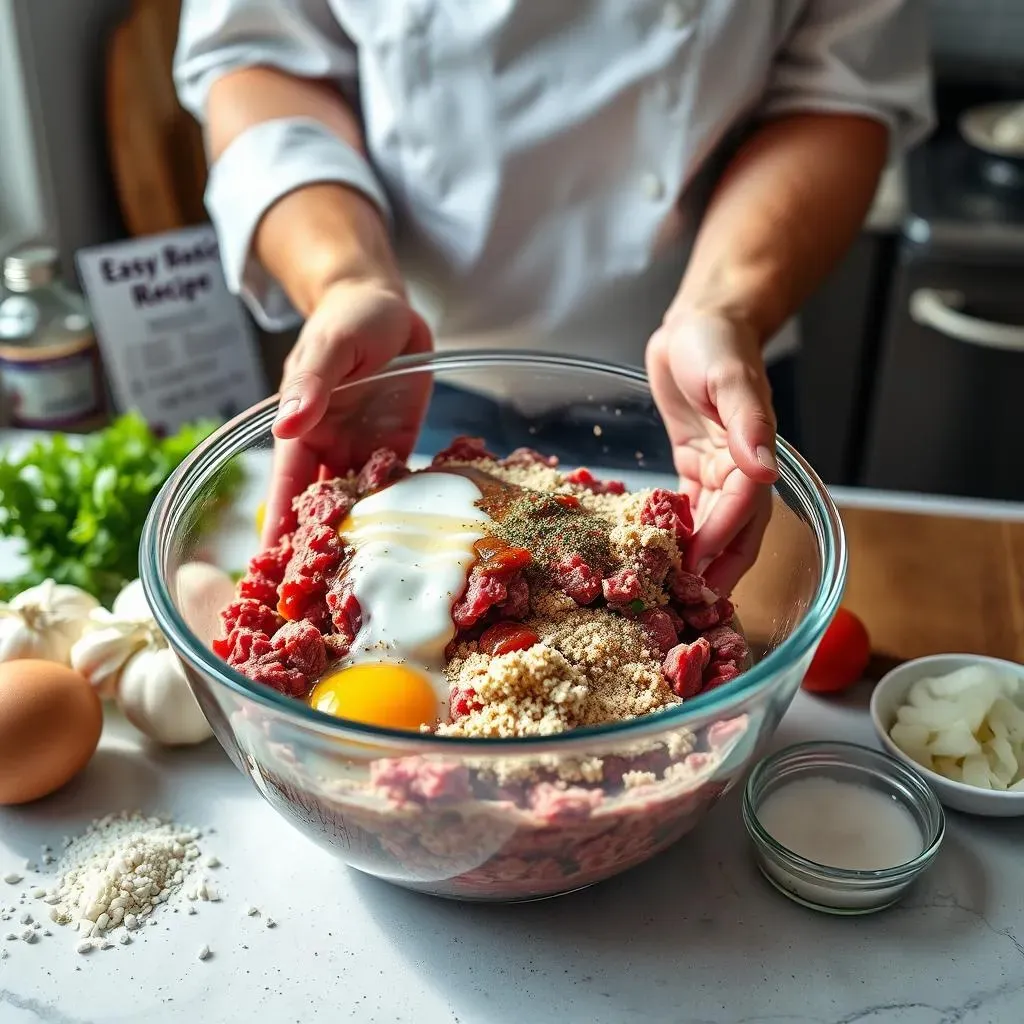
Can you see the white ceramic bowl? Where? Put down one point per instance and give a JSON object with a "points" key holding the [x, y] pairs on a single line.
{"points": [[891, 692]]}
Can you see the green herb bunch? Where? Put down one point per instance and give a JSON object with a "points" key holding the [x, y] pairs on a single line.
{"points": [[78, 505]]}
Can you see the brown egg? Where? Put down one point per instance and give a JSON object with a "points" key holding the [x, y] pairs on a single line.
{"points": [[50, 724]]}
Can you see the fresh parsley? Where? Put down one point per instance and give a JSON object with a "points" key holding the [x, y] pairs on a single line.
{"points": [[78, 506]]}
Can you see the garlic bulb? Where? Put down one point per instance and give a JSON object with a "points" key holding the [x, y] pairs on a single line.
{"points": [[105, 646], [44, 621], [131, 604], [153, 694]]}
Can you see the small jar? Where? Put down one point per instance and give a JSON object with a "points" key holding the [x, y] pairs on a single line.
{"points": [[50, 375], [842, 890]]}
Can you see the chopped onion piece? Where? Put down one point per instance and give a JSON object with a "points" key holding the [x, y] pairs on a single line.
{"points": [[967, 725]]}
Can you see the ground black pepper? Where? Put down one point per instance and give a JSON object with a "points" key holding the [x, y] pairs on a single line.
{"points": [[547, 527]]}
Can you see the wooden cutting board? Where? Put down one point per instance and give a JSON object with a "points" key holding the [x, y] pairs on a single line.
{"points": [[926, 584], [156, 148]]}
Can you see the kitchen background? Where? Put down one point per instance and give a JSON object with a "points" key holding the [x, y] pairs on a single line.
{"points": [[912, 364]]}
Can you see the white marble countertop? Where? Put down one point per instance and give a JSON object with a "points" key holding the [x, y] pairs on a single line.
{"points": [[694, 936]]}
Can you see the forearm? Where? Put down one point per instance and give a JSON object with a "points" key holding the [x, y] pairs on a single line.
{"points": [[319, 233], [788, 206]]}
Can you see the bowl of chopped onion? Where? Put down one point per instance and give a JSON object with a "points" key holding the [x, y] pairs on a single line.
{"points": [[959, 720]]}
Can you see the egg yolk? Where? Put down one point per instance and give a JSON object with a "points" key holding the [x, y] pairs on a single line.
{"points": [[392, 696]]}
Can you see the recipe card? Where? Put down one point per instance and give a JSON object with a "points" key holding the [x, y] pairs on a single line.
{"points": [[176, 344]]}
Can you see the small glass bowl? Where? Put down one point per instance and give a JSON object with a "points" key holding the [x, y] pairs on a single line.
{"points": [[841, 890]]}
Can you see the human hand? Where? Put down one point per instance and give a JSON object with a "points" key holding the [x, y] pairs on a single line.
{"points": [[709, 383], [357, 327]]}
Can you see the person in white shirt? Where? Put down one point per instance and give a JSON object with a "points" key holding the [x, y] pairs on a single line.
{"points": [[644, 180]]}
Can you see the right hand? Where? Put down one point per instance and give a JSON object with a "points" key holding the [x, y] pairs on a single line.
{"points": [[356, 328]]}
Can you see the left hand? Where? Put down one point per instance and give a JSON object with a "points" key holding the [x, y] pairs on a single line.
{"points": [[709, 382]]}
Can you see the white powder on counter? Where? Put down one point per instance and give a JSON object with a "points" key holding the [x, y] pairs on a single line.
{"points": [[119, 871], [113, 878]]}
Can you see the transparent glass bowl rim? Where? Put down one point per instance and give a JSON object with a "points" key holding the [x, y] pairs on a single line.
{"points": [[853, 754], [245, 430]]}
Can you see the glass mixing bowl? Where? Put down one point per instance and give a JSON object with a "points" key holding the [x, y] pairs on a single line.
{"points": [[476, 818]]}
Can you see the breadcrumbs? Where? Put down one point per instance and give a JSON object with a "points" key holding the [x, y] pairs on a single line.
{"points": [[535, 692]]}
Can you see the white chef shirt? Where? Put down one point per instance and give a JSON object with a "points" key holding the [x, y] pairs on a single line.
{"points": [[544, 163]]}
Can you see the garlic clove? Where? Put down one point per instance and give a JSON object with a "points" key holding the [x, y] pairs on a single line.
{"points": [[131, 603], [104, 647], [154, 695]]}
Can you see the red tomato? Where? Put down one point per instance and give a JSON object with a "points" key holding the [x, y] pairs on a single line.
{"points": [[504, 637], [842, 655], [500, 559]]}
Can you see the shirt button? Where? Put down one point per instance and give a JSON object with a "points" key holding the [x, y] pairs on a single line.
{"points": [[652, 186]]}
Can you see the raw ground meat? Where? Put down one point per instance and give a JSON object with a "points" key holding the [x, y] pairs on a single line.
{"points": [[705, 616], [346, 615], [684, 667], [608, 552], [325, 503], [463, 449], [669, 511], [577, 579], [258, 587], [442, 828], [384, 467], [246, 614], [660, 627], [484, 591], [286, 662], [622, 587], [529, 457], [517, 600], [584, 478]]}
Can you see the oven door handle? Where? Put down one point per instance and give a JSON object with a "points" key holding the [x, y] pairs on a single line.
{"points": [[940, 310]]}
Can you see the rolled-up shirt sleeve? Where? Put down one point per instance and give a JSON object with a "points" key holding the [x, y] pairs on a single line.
{"points": [[857, 56], [271, 159]]}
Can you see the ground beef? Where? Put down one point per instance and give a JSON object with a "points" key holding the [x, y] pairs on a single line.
{"points": [[572, 575], [258, 587], [728, 645], [669, 511], [719, 674], [383, 467], [463, 701], [300, 583], [272, 562], [529, 457], [684, 667], [318, 552], [622, 586], [687, 587], [289, 662], [484, 591], [246, 614], [584, 478], [301, 648], [705, 616], [660, 627], [463, 449], [346, 615], [325, 503], [557, 803], [517, 601], [418, 780]]}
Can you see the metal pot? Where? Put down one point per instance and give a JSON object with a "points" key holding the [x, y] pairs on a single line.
{"points": [[996, 131]]}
